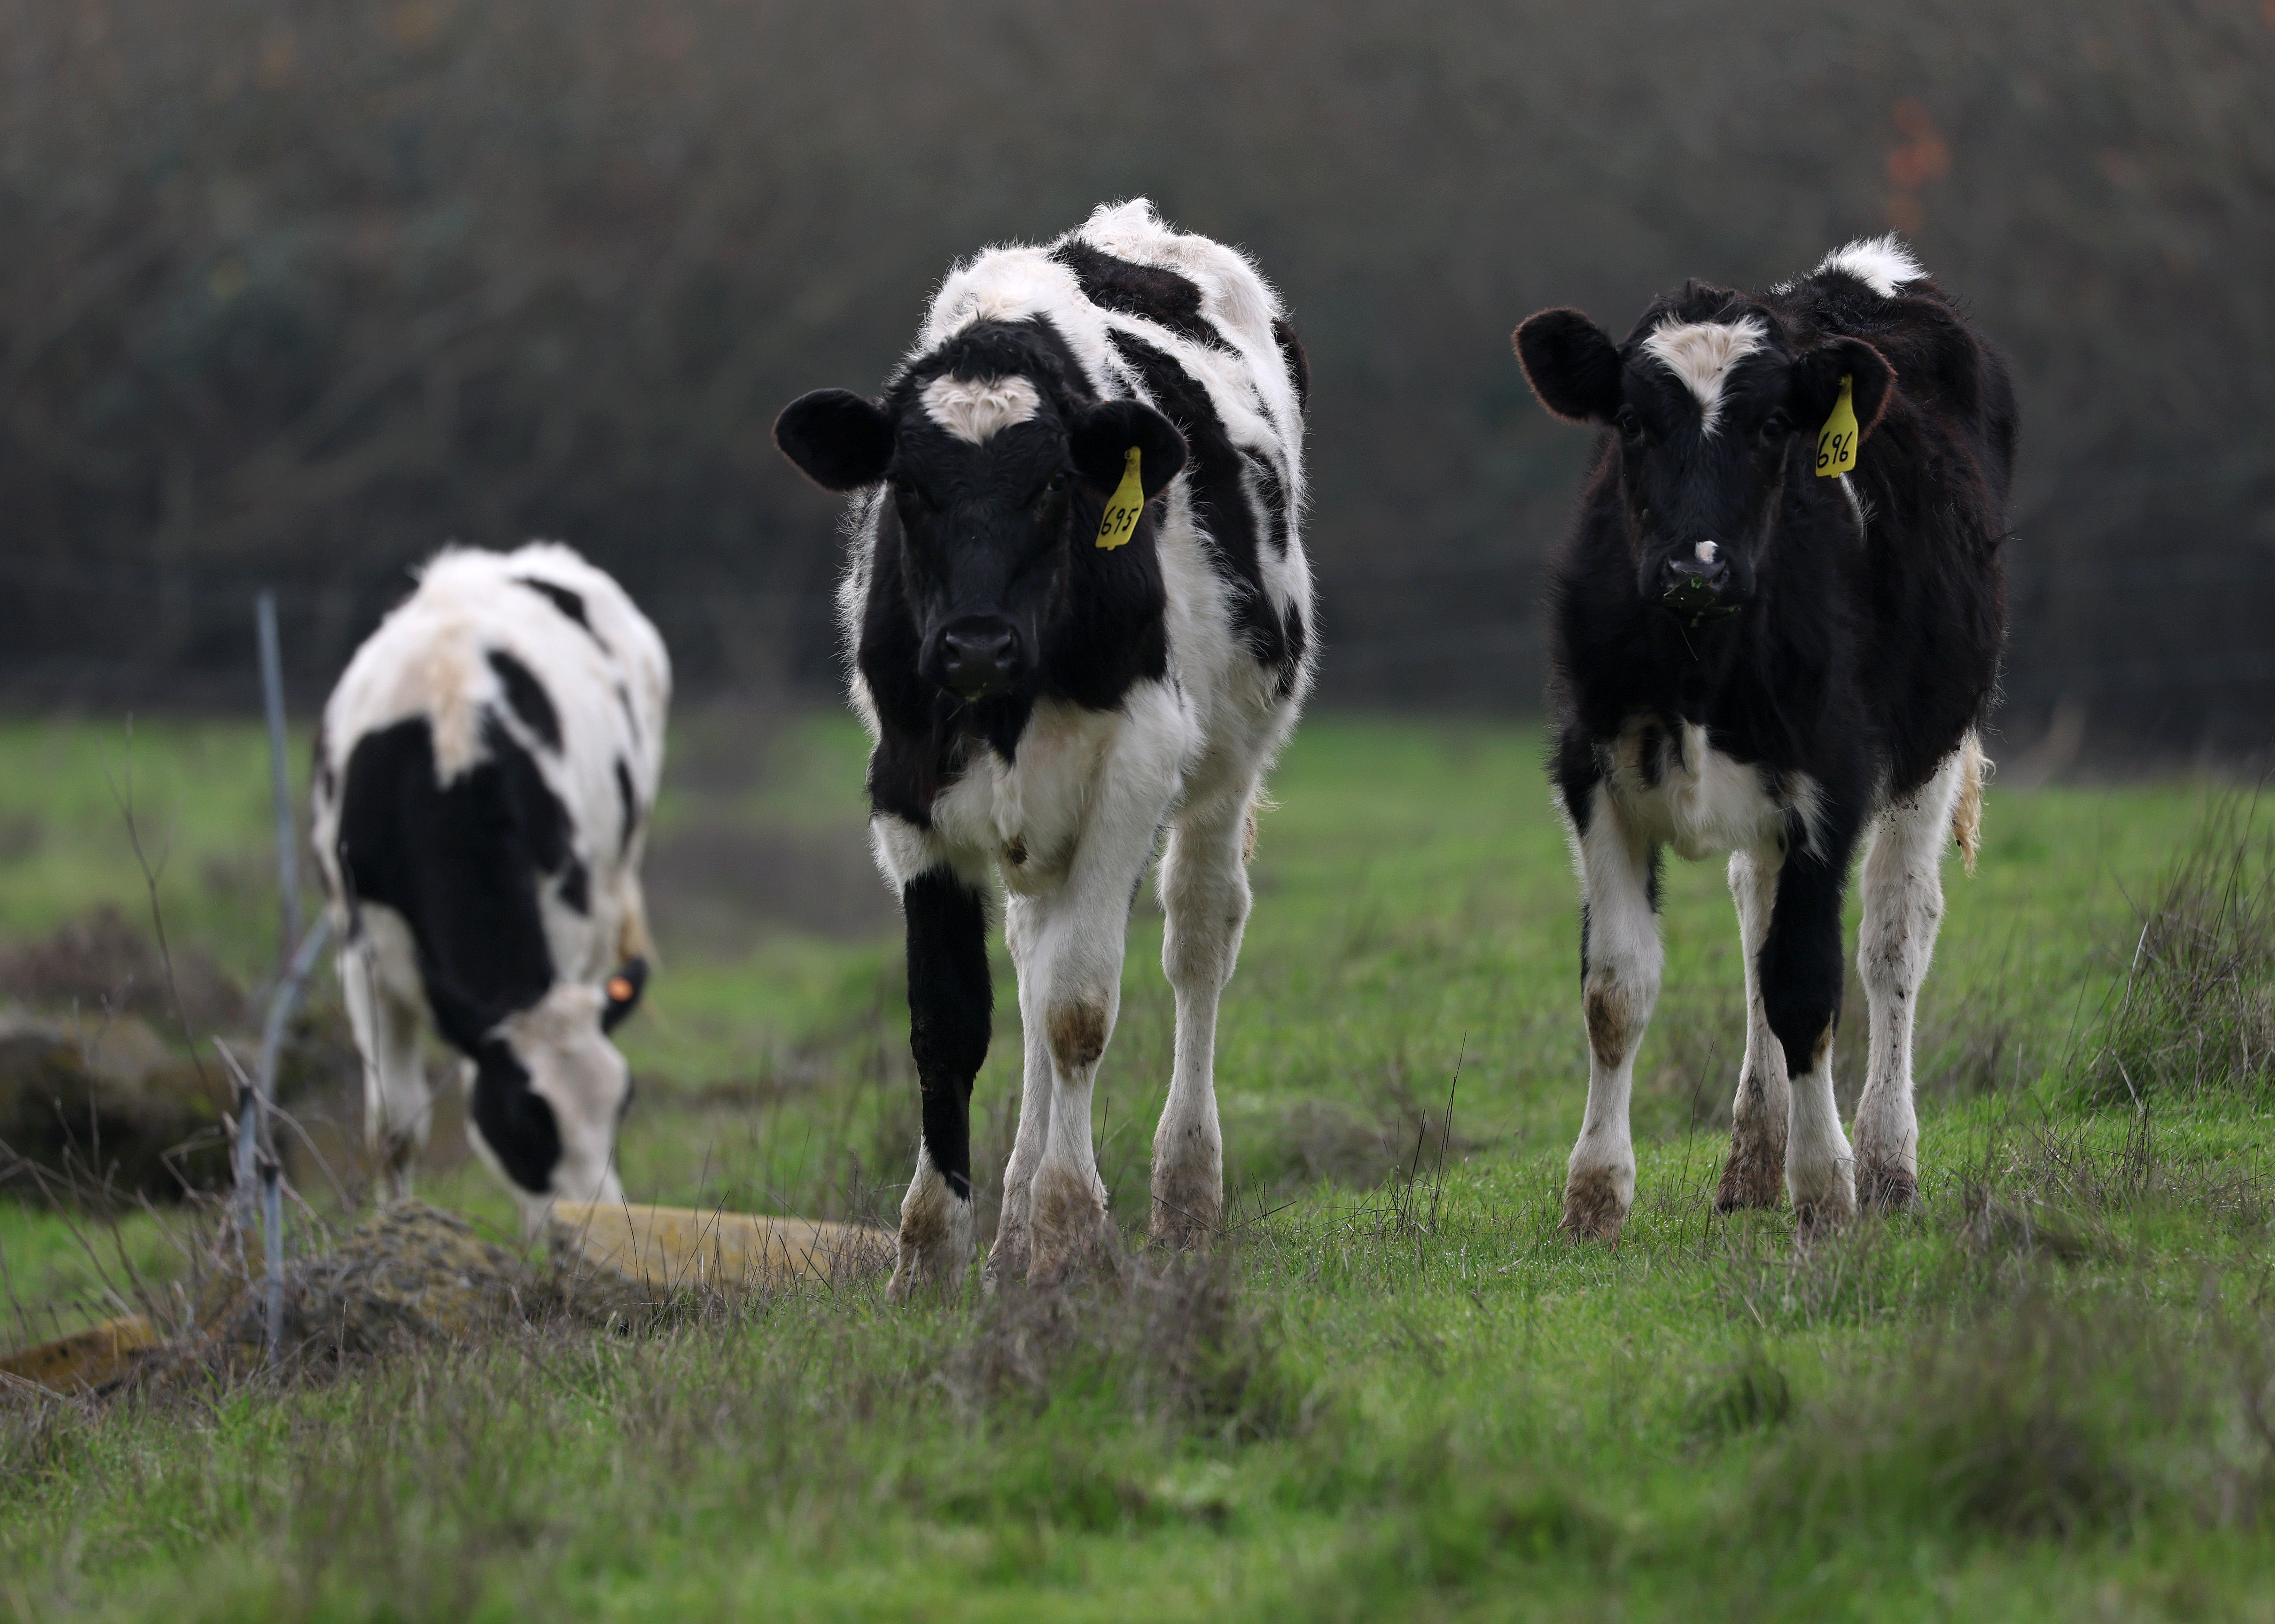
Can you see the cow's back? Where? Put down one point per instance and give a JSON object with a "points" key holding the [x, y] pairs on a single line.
{"points": [[486, 766], [1191, 327], [1931, 480]]}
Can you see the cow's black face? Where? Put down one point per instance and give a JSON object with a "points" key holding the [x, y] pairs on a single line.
{"points": [[1712, 421], [994, 480]]}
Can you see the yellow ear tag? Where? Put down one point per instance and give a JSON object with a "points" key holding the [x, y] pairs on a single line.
{"points": [[1124, 508], [1836, 442]]}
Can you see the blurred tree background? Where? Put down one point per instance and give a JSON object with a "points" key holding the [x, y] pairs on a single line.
{"points": [[292, 290]]}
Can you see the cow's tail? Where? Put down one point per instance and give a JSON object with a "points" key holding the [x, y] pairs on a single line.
{"points": [[1967, 807]]}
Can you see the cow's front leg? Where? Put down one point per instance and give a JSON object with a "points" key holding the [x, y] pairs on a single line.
{"points": [[951, 1002], [1081, 933], [1799, 971], [1014, 1249], [398, 1100], [1620, 963], [1755, 1175]]}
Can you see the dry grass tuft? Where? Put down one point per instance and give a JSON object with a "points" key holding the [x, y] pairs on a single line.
{"points": [[1172, 1342]]}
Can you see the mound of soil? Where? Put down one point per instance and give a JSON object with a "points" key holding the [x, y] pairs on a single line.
{"points": [[112, 1117], [410, 1273], [102, 962]]}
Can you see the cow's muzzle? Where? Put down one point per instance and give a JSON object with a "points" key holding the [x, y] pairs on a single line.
{"points": [[980, 657], [1698, 587]]}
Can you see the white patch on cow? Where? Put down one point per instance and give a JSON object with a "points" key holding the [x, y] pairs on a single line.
{"points": [[607, 678], [979, 409], [1860, 505], [1881, 263], [1679, 791], [1707, 552], [1701, 353]]}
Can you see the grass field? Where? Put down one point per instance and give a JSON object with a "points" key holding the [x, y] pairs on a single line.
{"points": [[1398, 1393]]}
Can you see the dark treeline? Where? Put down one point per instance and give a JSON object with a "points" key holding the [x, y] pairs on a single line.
{"points": [[294, 290]]}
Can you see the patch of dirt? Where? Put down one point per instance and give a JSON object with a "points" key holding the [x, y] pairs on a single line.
{"points": [[101, 960], [720, 886]]}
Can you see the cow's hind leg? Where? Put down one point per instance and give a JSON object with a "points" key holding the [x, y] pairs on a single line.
{"points": [[1904, 906], [1620, 961], [1204, 899], [951, 1001], [1755, 1175], [398, 1103]]}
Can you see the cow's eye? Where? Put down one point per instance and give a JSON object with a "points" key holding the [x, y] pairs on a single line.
{"points": [[1628, 424], [1774, 429], [908, 493], [1056, 486]]}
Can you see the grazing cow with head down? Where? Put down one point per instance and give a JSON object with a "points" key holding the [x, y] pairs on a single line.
{"points": [[484, 774], [1078, 617], [1777, 625]]}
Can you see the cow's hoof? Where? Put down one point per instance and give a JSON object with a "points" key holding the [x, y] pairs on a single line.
{"points": [[1071, 1239], [1755, 1175], [1886, 1186], [1088, 1255], [935, 1246], [1008, 1260], [1186, 1223], [1592, 1208]]}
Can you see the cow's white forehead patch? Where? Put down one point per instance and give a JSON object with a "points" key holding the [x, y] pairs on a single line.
{"points": [[979, 409], [1701, 353]]}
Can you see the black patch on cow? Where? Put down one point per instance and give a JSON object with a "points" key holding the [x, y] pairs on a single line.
{"points": [[628, 806], [576, 892], [1220, 499], [516, 1121], [1147, 291], [326, 783], [1299, 364], [951, 1008], [569, 602], [527, 697], [1799, 966], [1273, 496], [462, 865]]}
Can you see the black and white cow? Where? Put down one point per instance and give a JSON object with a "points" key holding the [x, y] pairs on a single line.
{"points": [[483, 775], [1755, 657], [1077, 616]]}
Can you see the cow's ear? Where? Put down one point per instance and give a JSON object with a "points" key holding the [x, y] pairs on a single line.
{"points": [[1101, 437], [841, 441], [1572, 365], [1814, 389]]}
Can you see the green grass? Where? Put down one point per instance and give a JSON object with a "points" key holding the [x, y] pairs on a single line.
{"points": [[2046, 1395]]}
